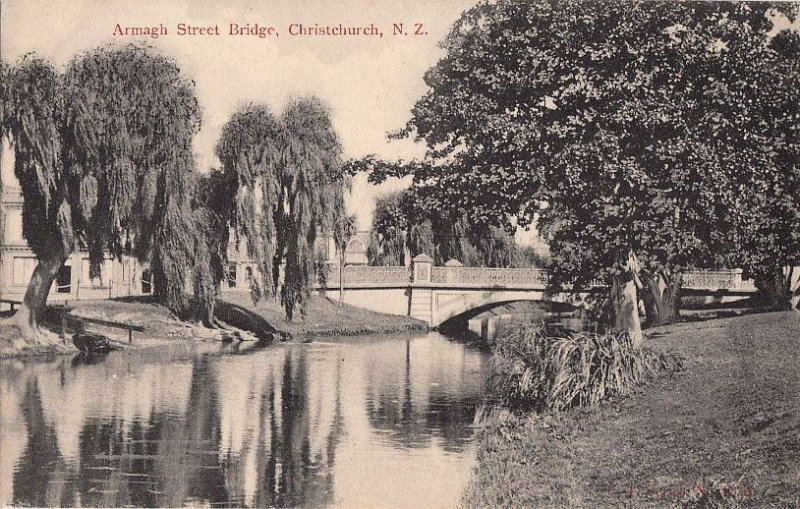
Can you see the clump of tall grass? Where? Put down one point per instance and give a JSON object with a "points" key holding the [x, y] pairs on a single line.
{"points": [[538, 368], [717, 494]]}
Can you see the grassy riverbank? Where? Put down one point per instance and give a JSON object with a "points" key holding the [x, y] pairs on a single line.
{"points": [[158, 323], [324, 317], [266, 319], [733, 415]]}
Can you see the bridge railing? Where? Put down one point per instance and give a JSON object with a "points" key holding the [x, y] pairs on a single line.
{"points": [[365, 276], [488, 277], [729, 279], [368, 276]]}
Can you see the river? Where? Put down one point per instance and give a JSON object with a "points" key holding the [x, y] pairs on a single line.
{"points": [[359, 422]]}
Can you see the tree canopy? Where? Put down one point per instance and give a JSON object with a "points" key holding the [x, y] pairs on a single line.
{"points": [[405, 224], [103, 157], [632, 128], [283, 186]]}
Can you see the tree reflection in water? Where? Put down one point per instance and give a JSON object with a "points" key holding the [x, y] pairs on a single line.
{"points": [[40, 479], [419, 397], [261, 429]]}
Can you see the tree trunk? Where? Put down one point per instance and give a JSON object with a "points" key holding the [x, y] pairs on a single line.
{"points": [[341, 280], [662, 299], [625, 301], [780, 289], [209, 319], [792, 288], [27, 317]]}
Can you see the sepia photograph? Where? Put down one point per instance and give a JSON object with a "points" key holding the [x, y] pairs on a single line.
{"points": [[408, 254]]}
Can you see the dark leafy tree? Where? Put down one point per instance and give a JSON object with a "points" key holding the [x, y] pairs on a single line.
{"points": [[103, 157], [405, 223], [389, 233], [495, 246], [528, 256], [5, 103], [767, 227], [421, 238], [639, 125]]}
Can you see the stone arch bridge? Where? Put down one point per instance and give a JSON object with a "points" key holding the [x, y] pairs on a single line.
{"points": [[437, 294]]}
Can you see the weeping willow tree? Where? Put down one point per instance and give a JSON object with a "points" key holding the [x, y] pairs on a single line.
{"points": [[312, 187], [246, 196], [103, 157], [5, 101], [285, 186], [34, 117], [210, 242], [404, 223]]}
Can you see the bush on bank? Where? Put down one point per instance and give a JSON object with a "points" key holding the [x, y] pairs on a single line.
{"points": [[539, 369]]}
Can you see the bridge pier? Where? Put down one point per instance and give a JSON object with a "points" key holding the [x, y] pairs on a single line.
{"points": [[421, 299]]}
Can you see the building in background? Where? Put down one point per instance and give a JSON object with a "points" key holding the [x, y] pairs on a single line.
{"points": [[356, 252], [118, 278]]}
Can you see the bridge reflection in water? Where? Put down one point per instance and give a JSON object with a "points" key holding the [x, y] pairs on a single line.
{"points": [[363, 423]]}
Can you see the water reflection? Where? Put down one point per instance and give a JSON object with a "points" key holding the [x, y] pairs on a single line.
{"points": [[352, 423], [410, 393]]}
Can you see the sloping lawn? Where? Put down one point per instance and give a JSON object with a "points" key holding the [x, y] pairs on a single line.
{"points": [[324, 317], [732, 416]]}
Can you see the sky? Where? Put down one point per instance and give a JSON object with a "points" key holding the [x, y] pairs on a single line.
{"points": [[369, 82]]}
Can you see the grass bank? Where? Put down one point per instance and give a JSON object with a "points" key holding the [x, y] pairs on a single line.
{"points": [[729, 423], [266, 319], [324, 317], [158, 323]]}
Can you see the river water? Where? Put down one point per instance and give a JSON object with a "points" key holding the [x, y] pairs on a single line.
{"points": [[362, 422]]}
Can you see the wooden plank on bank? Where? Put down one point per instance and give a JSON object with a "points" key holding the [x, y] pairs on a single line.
{"points": [[11, 302], [107, 323]]}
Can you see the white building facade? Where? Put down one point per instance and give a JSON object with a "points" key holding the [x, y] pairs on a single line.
{"points": [[118, 278]]}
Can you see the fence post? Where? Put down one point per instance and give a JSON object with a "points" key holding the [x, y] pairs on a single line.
{"points": [[422, 264], [64, 320], [452, 270]]}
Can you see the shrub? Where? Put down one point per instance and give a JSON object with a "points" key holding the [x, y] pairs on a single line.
{"points": [[540, 368], [716, 494]]}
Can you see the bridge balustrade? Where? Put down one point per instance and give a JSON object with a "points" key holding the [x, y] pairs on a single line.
{"points": [[366, 276], [487, 276], [730, 279]]}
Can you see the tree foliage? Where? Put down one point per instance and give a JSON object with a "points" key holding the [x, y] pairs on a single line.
{"points": [[767, 230], [283, 185], [312, 190], [389, 232], [248, 191], [5, 103], [405, 223], [630, 127], [103, 157], [210, 242]]}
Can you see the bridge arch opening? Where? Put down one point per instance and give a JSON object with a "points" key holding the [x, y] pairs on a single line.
{"points": [[516, 311]]}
